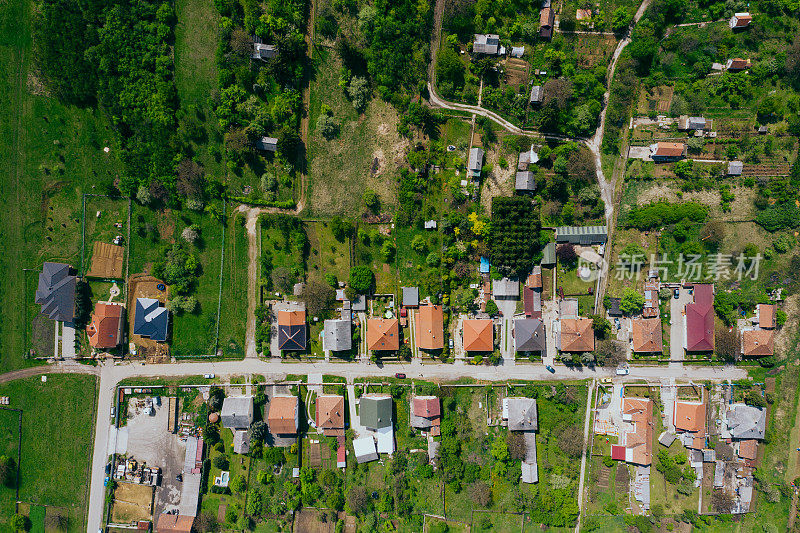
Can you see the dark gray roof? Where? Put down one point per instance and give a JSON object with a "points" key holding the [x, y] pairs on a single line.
{"points": [[337, 335], [268, 144], [237, 412], [525, 181], [292, 338], [410, 296], [264, 51], [614, 309], [375, 411], [56, 292], [522, 414], [581, 234], [747, 421], [150, 320], [505, 288], [529, 335]]}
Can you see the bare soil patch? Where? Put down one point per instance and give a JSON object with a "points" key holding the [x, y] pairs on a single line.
{"points": [[308, 521]]}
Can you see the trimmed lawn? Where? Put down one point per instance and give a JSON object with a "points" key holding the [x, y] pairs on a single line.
{"points": [[233, 311], [58, 431], [328, 256]]}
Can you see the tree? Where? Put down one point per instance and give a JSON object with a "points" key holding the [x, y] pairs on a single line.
{"points": [[221, 461], [404, 352], [259, 430], [361, 279], [274, 456], [712, 234], [20, 523], [241, 43], [725, 342], [341, 229], [191, 233], [388, 250], [481, 493], [419, 245], [359, 92], [283, 280], [318, 295], [372, 202], [327, 126], [621, 20], [566, 253], [601, 326], [239, 483], [205, 523], [357, 501], [8, 472], [571, 441], [491, 308], [632, 302]]}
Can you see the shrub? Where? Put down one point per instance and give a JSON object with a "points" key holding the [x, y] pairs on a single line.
{"points": [[361, 279], [327, 126]]}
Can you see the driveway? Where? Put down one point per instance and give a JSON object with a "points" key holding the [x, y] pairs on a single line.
{"points": [[639, 152], [677, 328]]}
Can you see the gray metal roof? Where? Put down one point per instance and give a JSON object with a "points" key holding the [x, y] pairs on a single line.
{"points": [[549, 254], [486, 43], [537, 94], [375, 411], [56, 292], [522, 415], [525, 181], [268, 144], [475, 159], [747, 421], [410, 296], [529, 335], [735, 168], [360, 303], [237, 412], [337, 336], [505, 288], [264, 51], [151, 320], [581, 234]]}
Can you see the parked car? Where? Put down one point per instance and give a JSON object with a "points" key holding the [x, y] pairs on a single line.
{"points": [[606, 381], [623, 370], [550, 369], [208, 376], [450, 343], [400, 375], [676, 293], [113, 411]]}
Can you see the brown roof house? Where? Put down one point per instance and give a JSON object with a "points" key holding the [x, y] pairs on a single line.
{"points": [[383, 334], [646, 335], [663, 152], [689, 419], [478, 335], [766, 315], [699, 319], [576, 335], [330, 415], [426, 413], [429, 325], [546, 20], [740, 21], [105, 329], [636, 435], [758, 342], [174, 523], [284, 416], [737, 64]]}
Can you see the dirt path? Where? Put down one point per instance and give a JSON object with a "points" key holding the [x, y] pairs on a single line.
{"points": [[586, 433], [74, 368]]}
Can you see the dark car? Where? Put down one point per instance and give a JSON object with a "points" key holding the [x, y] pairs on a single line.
{"points": [[550, 369], [676, 293], [400, 375]]}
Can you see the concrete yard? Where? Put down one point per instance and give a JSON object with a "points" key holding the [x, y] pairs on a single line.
{"points": [[149, 441]]}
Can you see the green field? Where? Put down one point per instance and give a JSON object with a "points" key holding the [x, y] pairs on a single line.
{"points": [[57, 436], [233, 312], [49, 155]]}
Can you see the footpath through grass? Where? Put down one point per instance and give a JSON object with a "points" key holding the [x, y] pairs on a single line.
{"points": [[57, 439]]}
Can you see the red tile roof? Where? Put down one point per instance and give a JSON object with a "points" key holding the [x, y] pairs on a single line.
{"points": [[383, 334], [640, 441], [758, 342], [690, 416], [174, 523], [666, 149], [577, 335], [291, 318], [329, 413], [646, 333], [748, 449], [700, 320], [282, 418], [478, 335], [766, 316], [104, 329], [430, 327], [427, 406]]}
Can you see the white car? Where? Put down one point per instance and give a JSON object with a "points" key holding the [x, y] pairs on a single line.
{"points": [[208, 376]]}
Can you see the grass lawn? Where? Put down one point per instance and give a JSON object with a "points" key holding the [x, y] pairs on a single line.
{"points": [[412, 269], [328, 256], [63, 406], [49, 155], [369, 253], [196, 37], [364, 155], [570, 283], [102, 229], [233, 311]]}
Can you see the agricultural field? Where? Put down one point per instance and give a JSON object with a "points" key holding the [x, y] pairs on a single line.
{"points": [[44, 423]]}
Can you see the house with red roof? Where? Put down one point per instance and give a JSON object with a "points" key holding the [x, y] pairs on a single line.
{"points": [[699, 319]]}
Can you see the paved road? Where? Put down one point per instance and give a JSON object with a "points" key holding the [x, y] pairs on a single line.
{"points": [[111, 375]]}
